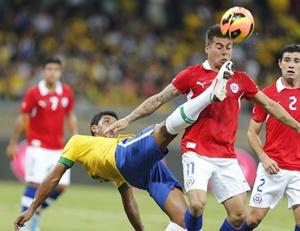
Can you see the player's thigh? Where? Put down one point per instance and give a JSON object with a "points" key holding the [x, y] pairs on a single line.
{"points": [[296, 210], [175, 206], [293, 188], [268, 189], [235, 206], [228, 180]]}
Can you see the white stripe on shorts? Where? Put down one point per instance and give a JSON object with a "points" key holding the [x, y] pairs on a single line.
{"points": [[136, 139]]}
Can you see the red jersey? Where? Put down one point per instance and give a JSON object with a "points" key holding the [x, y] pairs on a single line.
{"points": [[282, 142], [47, 111], [213, 134]]}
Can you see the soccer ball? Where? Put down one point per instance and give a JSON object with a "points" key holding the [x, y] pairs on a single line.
{"points": [[237, 23]]}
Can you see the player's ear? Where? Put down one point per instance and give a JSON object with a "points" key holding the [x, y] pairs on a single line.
{"points": [[94, 129]]}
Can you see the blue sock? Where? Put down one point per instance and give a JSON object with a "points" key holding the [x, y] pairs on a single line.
{"points": [[27, 197], [192, 223], [226, 226], [51, 199], [297, 228]]}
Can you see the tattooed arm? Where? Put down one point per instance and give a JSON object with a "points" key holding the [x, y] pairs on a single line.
{"points": [[146, 108]]}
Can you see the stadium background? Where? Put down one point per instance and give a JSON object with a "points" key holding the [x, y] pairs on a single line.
{"points": [[116, 53]]}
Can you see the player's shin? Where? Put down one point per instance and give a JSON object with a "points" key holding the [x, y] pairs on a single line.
{"points": [[297, 228], [187, 114]]}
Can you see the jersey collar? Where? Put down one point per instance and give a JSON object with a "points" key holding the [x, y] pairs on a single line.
{"points": [[206, 65], [45, 91], [279, 85]]}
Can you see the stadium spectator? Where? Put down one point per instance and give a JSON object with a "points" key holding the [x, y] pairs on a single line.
{"points": [[135, 159], [44, 109], [80, 30], [208, 145], [278, 172]]}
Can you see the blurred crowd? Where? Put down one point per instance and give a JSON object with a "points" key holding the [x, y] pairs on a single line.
{"points": [[117, 52]]}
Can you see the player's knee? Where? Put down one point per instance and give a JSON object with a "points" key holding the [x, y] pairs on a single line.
{"points": [[253, 221], [237, 218], [197, 207]]}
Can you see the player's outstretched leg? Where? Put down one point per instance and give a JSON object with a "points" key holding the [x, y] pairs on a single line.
{"points": [[220, 82], [188, 113]]}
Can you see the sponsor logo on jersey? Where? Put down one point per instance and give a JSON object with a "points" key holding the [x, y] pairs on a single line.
{"points": [[191, 145], [234, 87], [201, 84]]}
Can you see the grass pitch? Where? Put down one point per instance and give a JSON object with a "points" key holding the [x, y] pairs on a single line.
{"points": [[90, 208]]}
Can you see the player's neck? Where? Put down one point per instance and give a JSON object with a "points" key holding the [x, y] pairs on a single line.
{"points": [[290, 83], [51, 86]]}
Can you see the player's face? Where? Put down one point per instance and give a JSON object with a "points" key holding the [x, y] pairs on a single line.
{"points": [[103, 123], [218, 51], [52, 72], [290, 66]]}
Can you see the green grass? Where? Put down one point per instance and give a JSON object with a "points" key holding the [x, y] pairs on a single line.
{"points": [[89, 208]]}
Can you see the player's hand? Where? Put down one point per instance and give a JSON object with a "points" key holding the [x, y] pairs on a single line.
{"points": [[117, 126], [22, 218], [270, 166], [11, 150]]}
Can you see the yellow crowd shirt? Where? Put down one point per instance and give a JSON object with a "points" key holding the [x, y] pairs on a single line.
{"points": [[96, 154]]}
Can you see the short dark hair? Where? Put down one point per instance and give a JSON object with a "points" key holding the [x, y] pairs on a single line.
{"points": [[212, 32], [51, 60], [289, 49], [96, 118]]}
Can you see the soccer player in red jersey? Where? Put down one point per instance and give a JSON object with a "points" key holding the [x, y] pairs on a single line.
{"points": [[208, 145], [278, 173], [44, 109]]}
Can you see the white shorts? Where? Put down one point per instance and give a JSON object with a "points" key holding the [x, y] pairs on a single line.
{"points": [[226, 177], [269, 189], [39, 162]]}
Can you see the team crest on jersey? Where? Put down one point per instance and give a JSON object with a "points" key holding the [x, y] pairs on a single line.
{"points": [[64, 102], [257, 198], [190, 181], [234, 87]]}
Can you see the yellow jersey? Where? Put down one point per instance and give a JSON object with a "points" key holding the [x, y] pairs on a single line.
{"points": [[96, 154]]}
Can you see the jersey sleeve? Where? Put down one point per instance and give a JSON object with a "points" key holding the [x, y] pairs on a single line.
{"points": [[251, 89], [28, 102], [70, 152], [71, 98], [181, 81]]}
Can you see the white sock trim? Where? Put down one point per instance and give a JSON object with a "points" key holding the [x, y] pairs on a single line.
{"points": [[174, 227]]}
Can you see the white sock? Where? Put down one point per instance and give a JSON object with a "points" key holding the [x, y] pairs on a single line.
{"points": [[187, 113], [174, 227]]}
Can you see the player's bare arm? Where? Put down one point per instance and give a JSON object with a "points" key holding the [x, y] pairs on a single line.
{"points": [[276, 110], [131, 208], [146, 108], [72, 123], [44, 190], [20, 127], [269, 164]]}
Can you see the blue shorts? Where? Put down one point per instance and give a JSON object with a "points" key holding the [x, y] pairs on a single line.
{"points": [[139, 161]]}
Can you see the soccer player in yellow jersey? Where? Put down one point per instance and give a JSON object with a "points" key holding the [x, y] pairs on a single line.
{"points": [[133, 159]]}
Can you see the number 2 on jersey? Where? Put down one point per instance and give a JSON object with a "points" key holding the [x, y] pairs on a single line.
{"points": [[262, 180], [292, 103]]}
